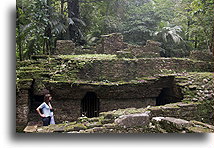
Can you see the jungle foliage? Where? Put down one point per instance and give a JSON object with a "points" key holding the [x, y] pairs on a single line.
{"points": [[180, 25]]}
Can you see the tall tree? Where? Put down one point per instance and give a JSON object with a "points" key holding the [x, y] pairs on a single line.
{"points": [[196, 18], [38, 25], [74, 17], [18, 33]]}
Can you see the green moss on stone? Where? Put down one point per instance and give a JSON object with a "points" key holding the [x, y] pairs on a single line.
{"points": [[199, 129], [23, 83], [79, 126], [89, 57]]}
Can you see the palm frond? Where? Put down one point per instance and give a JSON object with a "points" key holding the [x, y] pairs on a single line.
{"points": [[170, 33]]}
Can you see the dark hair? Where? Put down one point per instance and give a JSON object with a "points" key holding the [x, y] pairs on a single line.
{"points": [[46, 98]]}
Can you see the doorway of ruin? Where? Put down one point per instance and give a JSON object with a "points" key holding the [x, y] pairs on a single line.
{"points": [[36, 98], [169, 95], [90, 105], [35, 101]]}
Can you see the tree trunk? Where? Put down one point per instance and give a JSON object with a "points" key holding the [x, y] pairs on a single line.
{"points": [[62, 7], [48, 40], [188, 26], [48, 32], [196, 42], [73, 12], [73, 9], [211, 40], [19, 40]]}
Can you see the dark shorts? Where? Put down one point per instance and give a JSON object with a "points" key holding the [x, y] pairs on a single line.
{"points": [[46, 121]]}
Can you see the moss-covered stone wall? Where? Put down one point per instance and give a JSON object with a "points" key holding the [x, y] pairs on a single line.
{"points": [[129, 69], [171, 118], [109, 44], [68, 95], [66, 109], [193, 114], [114, 104], [65, 47], [22, 103], [111, 95], [202, 55], [105, 67], [118, 82]]}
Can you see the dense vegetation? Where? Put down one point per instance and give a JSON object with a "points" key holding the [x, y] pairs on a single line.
{"points": [[180, 25]]}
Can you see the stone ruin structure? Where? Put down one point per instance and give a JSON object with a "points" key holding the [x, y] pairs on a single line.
{"points": [[115, 83], [111, 44]]}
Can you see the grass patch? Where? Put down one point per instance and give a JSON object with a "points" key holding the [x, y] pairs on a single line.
{"points": [[89, 57]]}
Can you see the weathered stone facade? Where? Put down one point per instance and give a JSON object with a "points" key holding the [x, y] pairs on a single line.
{"points": [[74, 78], [202, 55], [22, 109], [65, 47], [110, 44], [189, 116], [126, 76], [111, 96], [178, 117], [116, 70]]}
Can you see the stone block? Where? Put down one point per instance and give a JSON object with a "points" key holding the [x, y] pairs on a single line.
{"points": [[22, 114], [31, 127], [201, 55], [171, 124], [65, 47], [112, 43], [22, 97], [24, 83], [155, 111], [133, 120], [124, 54]]}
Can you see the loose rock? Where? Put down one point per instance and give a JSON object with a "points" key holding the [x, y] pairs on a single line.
{"points": [[133, 120]]}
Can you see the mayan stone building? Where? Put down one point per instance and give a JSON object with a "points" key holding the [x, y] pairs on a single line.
{"points": [[113, 75]]}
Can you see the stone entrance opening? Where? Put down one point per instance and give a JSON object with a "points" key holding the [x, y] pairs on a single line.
{"points": [[35, 101], [90, 105], [169, 95]]}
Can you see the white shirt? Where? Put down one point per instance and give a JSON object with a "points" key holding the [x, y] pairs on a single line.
{"points": [[45, 109]]}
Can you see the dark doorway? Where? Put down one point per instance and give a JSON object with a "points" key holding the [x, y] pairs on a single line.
{"points": [[35, 101], [169, 95], [90, 105]]}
